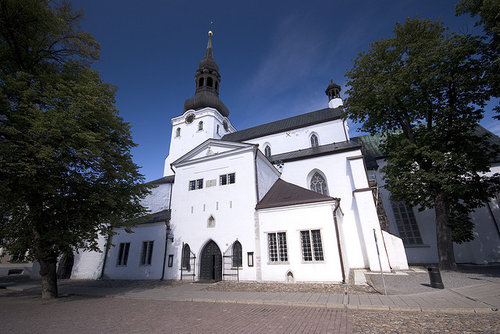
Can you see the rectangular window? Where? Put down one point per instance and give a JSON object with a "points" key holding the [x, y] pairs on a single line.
{"points": [[277, 247], [312, 248], [123, 253], [196, 184], [170, 260], [406, 223], [250, 259], [227, 179], [147, 252]]}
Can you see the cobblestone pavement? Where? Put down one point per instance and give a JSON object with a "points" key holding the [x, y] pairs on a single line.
{"points": [[371, 322], [113, 315], [29, 314], [290, 288]]}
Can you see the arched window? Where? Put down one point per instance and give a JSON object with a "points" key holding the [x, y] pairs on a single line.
{"points": [[210, 82], [267, 151], [314, 140], [200, 83], [211, 221], [237, 254], [200, 126], [178, 132], [186, 258], [318, 184]]}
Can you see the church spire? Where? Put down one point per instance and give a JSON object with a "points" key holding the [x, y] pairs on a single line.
{"points": [[209, 53], [207, 82]]}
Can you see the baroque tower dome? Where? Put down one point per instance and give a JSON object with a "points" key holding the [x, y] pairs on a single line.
{"points": [[207, 81]]}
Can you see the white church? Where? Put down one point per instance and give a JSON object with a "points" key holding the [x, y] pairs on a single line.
{"points": [[294, 200]]}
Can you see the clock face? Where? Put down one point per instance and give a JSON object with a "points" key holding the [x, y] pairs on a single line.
{"points": [[189, 118], [224, 124]]}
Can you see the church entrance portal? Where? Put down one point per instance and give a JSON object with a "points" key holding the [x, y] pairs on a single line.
{"points": [[211, 262]]}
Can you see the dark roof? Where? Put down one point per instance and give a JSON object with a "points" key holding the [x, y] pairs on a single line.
{"points": [[371, 148], [161, 216], [372, 151], [284, 194], [300, 121], [165, 179], [315, 151]]}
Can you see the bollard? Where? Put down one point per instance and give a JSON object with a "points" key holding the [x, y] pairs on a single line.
{"points": [[435, 277]]}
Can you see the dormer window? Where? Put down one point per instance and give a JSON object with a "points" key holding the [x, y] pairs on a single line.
{"points": [[200, 126]]}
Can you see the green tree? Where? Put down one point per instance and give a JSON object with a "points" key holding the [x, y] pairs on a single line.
{"points": [[489, 18], [425, 88], [65, 164]]}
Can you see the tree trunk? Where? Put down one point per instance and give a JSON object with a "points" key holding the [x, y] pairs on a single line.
{"points": [[443, 234], [49, 277]]}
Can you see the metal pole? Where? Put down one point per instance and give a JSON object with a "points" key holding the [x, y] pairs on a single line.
{"points": [[379, 262]]}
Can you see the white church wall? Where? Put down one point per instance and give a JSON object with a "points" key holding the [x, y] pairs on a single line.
{"points": [[292, 220], [134, 269], [231, 205], [159, 199], [191, 136], [88, 265], [338, 175], [327, 133], [266, 175], [485, 248]]}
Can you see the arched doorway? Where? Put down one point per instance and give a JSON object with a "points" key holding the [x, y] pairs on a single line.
{"points": [[211, 262]]}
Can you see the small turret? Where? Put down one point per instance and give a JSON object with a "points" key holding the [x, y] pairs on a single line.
{"points": [[333, 93]]}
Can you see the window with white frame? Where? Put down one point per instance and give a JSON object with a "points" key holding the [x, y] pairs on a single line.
{"points": [[277, 247], [314, 140], [406, 223], [196, 184], [318, 184], [178, 132], [312, 248], [200, 126], [227, 179], [123, 250], [147, 252]]}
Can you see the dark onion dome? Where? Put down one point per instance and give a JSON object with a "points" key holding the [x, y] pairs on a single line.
{"points": [[207, 81], [206, 99]]}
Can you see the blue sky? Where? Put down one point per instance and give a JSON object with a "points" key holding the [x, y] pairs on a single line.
{"points": [[275, 57]]}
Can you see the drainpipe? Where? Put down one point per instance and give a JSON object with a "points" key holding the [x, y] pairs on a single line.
{"points": [[337, 233], [167, 233]]}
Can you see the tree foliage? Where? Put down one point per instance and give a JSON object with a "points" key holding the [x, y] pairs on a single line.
{"points": [[489, 18], [425, 88], [65, 161]]}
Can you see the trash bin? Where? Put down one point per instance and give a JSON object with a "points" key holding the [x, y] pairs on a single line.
{"points": [[435, 277]]}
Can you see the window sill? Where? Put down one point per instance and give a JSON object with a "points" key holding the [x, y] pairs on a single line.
{"points": [[277, 262], [417, 246]]}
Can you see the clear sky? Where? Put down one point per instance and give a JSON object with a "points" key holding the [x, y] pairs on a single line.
{"points": [[275, 57]]}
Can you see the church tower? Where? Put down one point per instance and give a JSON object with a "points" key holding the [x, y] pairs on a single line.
{"points": [[204, 115]]}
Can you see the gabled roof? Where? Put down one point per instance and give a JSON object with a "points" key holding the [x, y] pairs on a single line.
{"points": [[220, 148], [315, 151], [300, 121], [284, 194]]}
